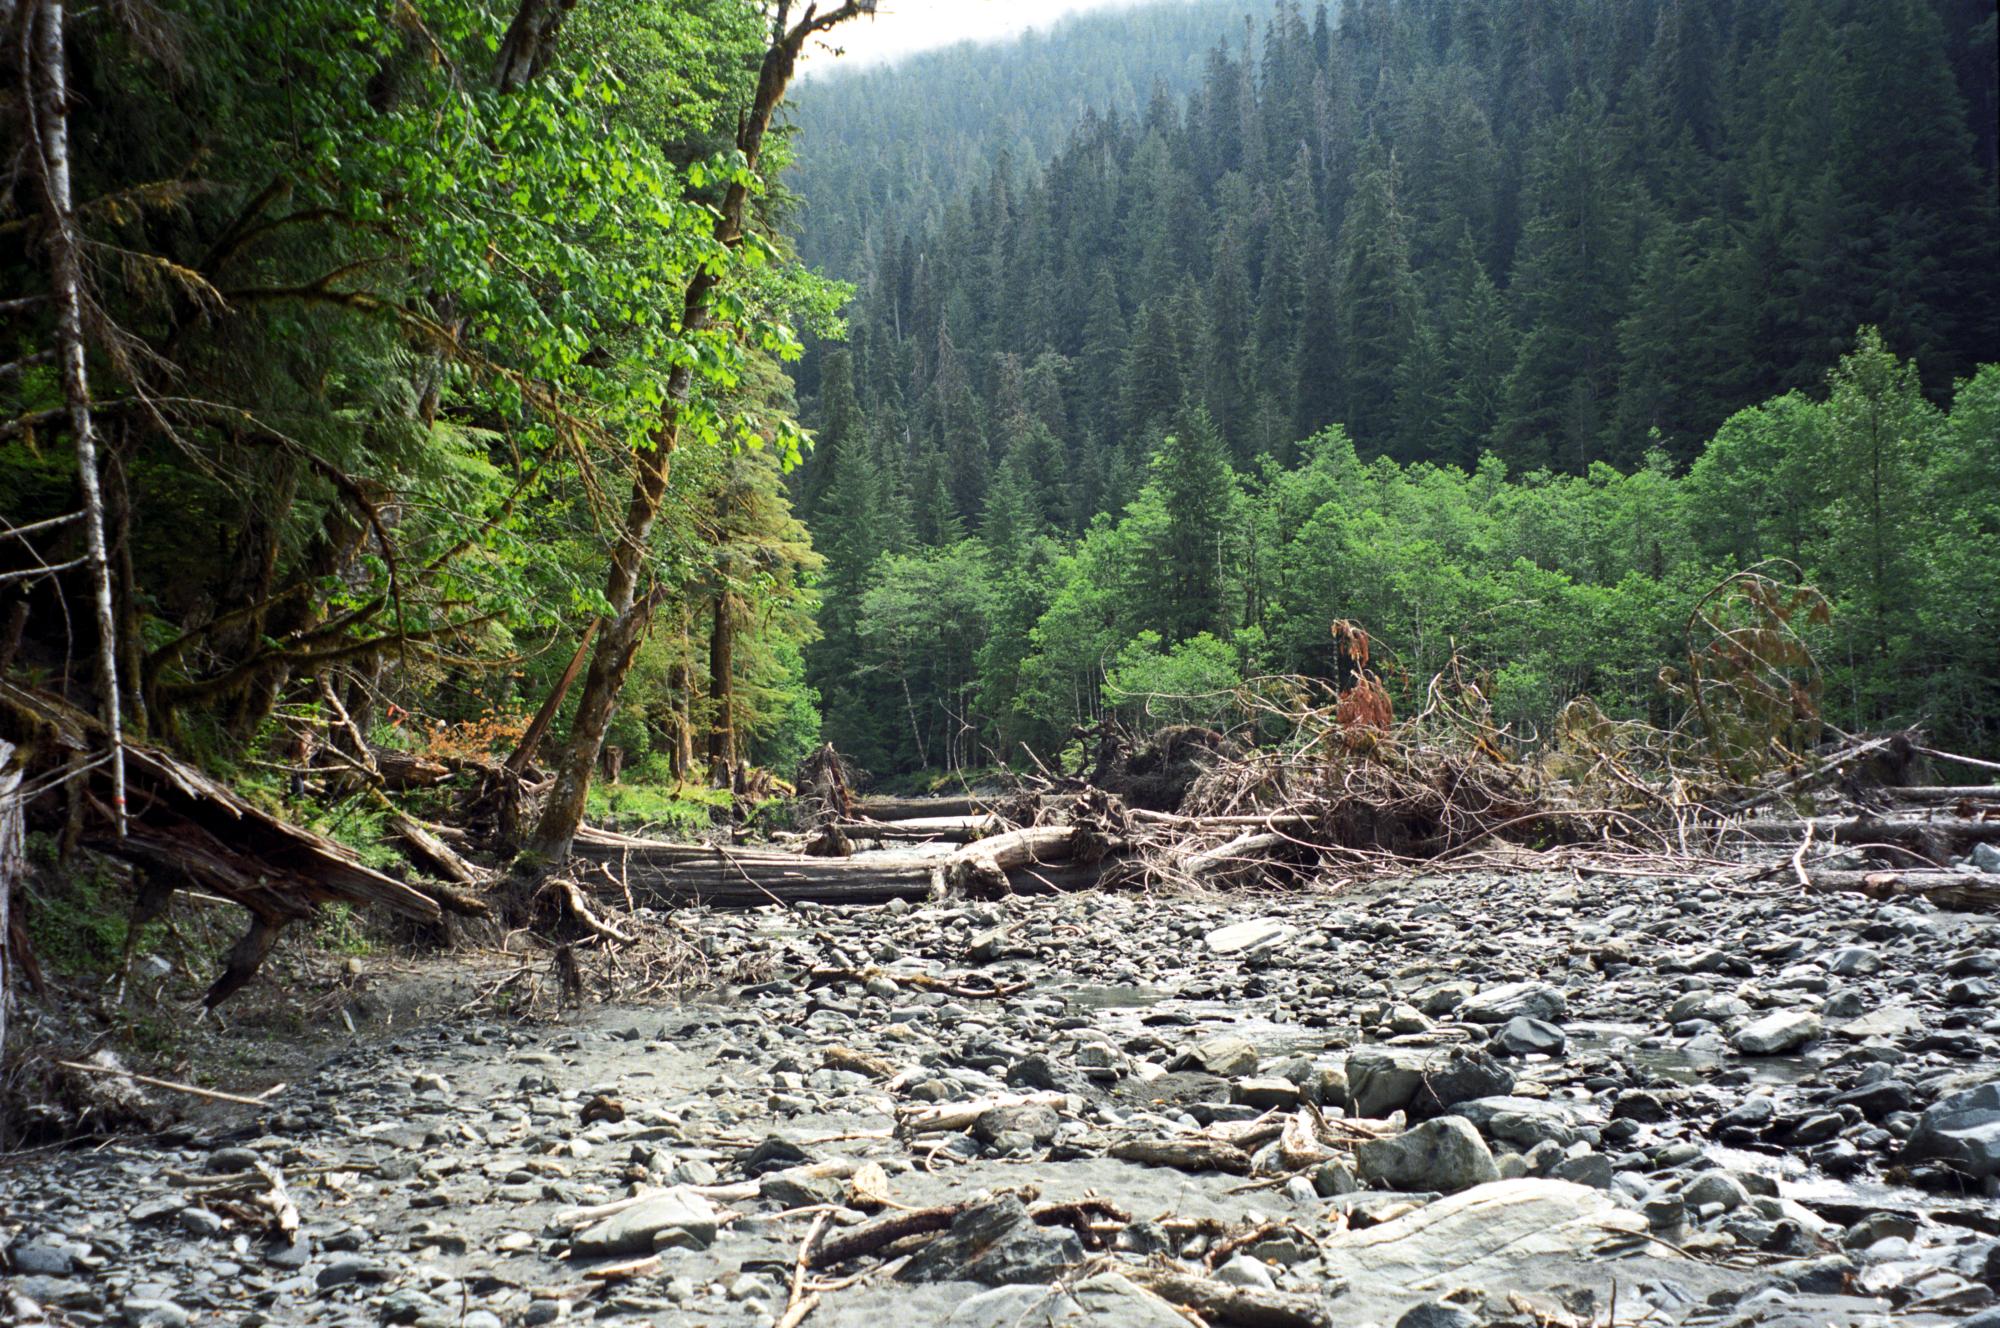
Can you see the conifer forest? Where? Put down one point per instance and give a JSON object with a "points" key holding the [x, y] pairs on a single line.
{"points": [[1220, 661]]}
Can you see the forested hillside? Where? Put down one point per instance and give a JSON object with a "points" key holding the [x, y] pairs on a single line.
{"points": [[1503, 326], [893, 148]]}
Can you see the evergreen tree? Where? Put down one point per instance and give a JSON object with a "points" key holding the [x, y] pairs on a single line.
{"points": [[1378, 300], [1197, 494], [1569, 286], [1152, 376], [1480, 349]]}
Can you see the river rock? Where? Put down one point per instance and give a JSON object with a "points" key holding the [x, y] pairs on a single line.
{"points": [[1522, 1121], [1438, 1314], [1465, 1073], [1778, 1032], [1522, 1036], [1715, 1187], [1487, 1234], [1104, 1300], [1446, 1155], [1226, 1056], [1385, 1079], [1257, 934], [676, 1217], [996, 1244], [1715, 1006], [1496, 1005], [1963, 1129], [35, 1258], [1891, 1021]]}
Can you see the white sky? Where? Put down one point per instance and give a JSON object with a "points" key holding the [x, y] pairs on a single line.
{"points": [[901, 27]]}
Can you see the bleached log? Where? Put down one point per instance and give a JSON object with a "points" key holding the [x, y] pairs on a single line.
{"points": [[1241, 856], [952, 829], [909, 809], [983, 867], [943, 1117], [1976, 891]]}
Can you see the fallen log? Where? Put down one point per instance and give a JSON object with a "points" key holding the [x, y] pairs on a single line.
{"points": [[726, 881], [1946, 794], [1030, 861], [909, 809], [1242, 856], [983, 867], [1220, 1302], [425, 844], [1968, 890], [1929, 834], [190, 831], [949, 829], [614, 849], [944, 1117]]}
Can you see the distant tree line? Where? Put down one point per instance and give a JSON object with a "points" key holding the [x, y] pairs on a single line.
{"points": [[1426, 316]]}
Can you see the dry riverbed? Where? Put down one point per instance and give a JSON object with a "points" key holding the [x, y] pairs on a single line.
{"points": [[1436, 1103]]}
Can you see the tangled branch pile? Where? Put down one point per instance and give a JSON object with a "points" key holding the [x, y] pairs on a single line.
{"points": [[1337, 783]]}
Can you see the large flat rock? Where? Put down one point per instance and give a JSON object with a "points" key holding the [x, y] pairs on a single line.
{"points": [[1483, 1235]]}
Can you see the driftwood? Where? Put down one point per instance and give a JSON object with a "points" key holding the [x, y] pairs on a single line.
{"points": [[1947, 831], [944, 1117], [1219, 1302], [189, 831], [1944, 793], [1190, 1154], [904, 809], [1956, 889], [983, 867], [427, 844], [950, 829], [885, 1231], [191, 1090], [1245, 855], [673, 875]]}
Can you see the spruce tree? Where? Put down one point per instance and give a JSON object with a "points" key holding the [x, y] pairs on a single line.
{"points": [[1197, 491]]}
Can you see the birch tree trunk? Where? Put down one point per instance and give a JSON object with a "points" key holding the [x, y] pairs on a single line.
{"points": [[49, 103], [12, 827]]}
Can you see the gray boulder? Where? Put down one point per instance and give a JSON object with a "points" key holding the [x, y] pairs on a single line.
{"points": [[1778, 1032], [1496, 1005], [1384, 1079], [1225, 1054], [673, 1218], [1437, 1314], [996, 1244], [1962, 1129], [1465, 1073], [1717, 1007], [1522, 1036], [1523, 1121], [1446, 1155], [1105, 1300]]}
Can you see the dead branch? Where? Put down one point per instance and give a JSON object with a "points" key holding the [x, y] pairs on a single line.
{"points": [[169, 1085]]}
